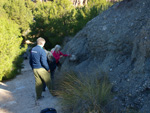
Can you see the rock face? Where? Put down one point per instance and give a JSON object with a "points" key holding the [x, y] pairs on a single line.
{"points": [[117, 42]]}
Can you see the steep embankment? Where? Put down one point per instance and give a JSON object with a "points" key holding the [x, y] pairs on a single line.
{"points": [[118, 42]]}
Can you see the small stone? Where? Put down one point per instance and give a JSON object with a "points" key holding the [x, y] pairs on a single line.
{"points": [[130, 94], [104, 28], [131, 24], [110, 69], [145, 38]]}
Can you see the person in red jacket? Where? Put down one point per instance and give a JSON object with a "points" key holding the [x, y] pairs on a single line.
{"points": [[57, 54]]}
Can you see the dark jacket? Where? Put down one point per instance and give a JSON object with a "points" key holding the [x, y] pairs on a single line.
{"points": [[52, 64], [38, 58]]}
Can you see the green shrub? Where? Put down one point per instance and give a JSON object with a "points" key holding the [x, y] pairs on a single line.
{"points": [[17, 66], [18, 12], [10, 41], [85, 94], [58, 19]]}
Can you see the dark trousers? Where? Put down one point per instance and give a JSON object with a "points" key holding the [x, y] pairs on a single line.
{"points": [[58, 64]]}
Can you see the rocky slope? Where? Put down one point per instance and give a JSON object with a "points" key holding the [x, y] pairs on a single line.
{"points": [[117, 42]]}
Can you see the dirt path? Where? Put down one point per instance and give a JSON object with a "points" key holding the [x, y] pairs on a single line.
{"points": [[18, 95]]}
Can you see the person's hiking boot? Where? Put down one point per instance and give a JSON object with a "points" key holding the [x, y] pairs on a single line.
{"points": [[39, 98]]}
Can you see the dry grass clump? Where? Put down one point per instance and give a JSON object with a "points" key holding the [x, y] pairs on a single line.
{"points": [[85, 94]]}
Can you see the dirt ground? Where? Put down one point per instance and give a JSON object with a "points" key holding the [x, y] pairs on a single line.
{"points": [[18, 95]]}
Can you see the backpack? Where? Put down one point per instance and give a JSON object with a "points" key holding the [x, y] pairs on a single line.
{"points": [[49, 110]]}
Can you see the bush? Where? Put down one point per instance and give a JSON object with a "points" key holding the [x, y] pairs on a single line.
{"points": [[58, 19], [18, 12], [9, 46], [85, 95]]}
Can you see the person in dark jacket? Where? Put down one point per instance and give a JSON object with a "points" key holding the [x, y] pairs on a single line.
{"points": [[52, 65], [39, 64]]}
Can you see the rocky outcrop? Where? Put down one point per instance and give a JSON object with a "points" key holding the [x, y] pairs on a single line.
{"points": [[117, 42]]}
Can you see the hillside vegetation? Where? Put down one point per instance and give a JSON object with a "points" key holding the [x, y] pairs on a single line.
{"points": [[52, 20], [11, 27], [58, 19]]}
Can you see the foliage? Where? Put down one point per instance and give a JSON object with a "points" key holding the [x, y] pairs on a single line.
{"points": [[53, 20], [15, 18], [30, 5], [85, 94], [19, 13], [9, 46], [57, 19], [2, 11]]}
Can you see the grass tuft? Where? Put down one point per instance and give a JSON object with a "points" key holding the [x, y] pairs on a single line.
{"points": [[85, 94]]}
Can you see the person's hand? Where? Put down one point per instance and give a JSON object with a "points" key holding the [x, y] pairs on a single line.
{"points": [[61, 56], [49, 70]]}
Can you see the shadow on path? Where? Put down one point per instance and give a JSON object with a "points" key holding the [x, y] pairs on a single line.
{"points": [[18, 95]]}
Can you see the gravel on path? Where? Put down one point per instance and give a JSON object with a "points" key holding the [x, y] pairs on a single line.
{"points": [[18, 95]]}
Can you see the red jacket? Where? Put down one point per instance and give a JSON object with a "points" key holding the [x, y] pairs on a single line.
{"points": [[57, 55]]}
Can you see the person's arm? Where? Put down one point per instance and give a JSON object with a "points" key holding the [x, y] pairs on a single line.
{"points": [[44, 61], [63, 54], [56, 56], [30, 61]]}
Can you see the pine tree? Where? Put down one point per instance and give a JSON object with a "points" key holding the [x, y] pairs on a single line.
{"points": [[18, 12]]}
